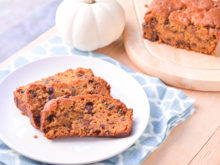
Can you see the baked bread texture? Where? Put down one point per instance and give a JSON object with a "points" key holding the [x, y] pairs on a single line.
{"points": [[188, 24], [37, 95], [86, 115], [64, 77]]}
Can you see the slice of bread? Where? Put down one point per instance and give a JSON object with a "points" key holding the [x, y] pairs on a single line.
{"points": [[64, 77], [86, 115]]}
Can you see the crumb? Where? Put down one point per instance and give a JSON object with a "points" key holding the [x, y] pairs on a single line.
{"points": [[35, 136]]}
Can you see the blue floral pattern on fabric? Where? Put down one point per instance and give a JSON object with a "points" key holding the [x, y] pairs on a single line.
{"points": [[169, 106]]}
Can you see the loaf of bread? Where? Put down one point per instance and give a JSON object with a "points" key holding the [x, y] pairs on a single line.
{"points": [[86, 115], [187, 24]]}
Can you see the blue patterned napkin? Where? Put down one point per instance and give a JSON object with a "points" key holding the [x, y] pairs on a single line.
{"points": [[169, 106]]}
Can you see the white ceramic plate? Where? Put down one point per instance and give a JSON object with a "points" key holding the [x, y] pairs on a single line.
{"points": [[17, 133]]}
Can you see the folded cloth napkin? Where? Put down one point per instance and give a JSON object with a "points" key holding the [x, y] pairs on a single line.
{"points": [[168, 106]]}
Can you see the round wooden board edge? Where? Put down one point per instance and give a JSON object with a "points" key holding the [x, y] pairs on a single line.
{"points": [[136, 54]]}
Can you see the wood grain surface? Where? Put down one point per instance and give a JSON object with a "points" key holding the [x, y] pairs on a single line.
{"points": [[209, 154]]}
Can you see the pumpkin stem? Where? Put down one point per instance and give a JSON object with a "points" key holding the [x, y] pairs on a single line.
{"points": [[90, 1]]}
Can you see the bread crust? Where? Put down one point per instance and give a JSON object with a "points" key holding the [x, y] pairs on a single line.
{"points": [[188, 24], [86, 115]]}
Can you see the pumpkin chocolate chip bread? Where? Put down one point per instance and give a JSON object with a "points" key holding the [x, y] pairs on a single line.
{"points": [[64, 77], [86, 115], [188, 24], [37, 95]]}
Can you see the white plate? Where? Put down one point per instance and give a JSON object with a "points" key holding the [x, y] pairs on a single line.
{"points": [[17, 133]]}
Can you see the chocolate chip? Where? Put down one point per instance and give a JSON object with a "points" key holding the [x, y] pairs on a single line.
{"points": [[153, 22], [70, 125], [52, 79], [199, 39], [102, 126], [65, 114], [111, 107], [166, 22], [120, 111], [45, 130], [51, 97], [50, 90], [73, 93], [91, 81], [80, 74], [97, 132], [85, 86], [80, 117], [96, 84], [180, 43], [34, 94], [107, 132], [89, 107], [50, 118], [214, 36], [22, 91], [37, 120]]}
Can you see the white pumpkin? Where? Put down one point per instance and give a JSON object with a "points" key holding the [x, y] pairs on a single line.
{"points": [[90, 24]]}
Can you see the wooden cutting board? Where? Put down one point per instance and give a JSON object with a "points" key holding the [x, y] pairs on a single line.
{"points": [[177, 67]]}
